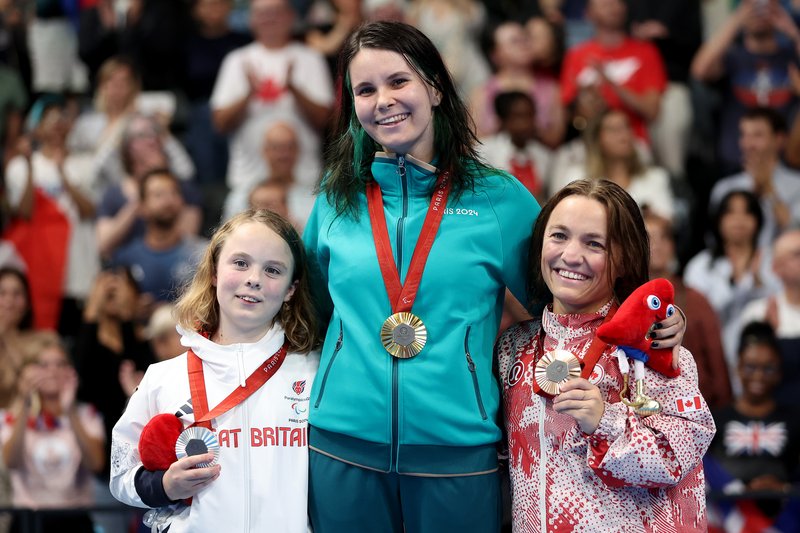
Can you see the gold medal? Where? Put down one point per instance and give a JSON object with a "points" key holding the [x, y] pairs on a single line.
{"points": [[556, 367], [403, 335]]}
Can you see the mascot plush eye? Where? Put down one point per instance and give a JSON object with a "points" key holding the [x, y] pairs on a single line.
{"points": [[670, 310], [653, 301]]}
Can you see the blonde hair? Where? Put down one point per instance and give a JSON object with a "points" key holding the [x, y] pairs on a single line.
{"points": [[107, 69], [38, 341], [198, 309]]}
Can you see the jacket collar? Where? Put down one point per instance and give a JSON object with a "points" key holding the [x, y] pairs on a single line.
{"points": [[420, 176], [233, 361]]}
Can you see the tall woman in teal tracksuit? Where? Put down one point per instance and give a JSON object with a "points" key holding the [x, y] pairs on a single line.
{"points": [[414, 241]]}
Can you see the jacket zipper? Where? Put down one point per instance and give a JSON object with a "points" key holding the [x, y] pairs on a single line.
{"points": [[246, 445], [401, 172], [542, 467], [330, 364], [471, 367]]}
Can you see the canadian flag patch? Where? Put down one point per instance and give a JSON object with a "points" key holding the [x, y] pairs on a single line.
{"points": [[689, 404]]}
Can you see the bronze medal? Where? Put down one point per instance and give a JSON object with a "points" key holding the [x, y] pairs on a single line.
{"points": [[403, 335], [554, 368]]}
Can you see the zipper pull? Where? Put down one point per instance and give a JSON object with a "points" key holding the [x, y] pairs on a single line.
{"points": [[401, 166], [339, 340]]}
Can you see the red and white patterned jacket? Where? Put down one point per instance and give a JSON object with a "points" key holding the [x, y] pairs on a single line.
{"points": [[632, 474]]}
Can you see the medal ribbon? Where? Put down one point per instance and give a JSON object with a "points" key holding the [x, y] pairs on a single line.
{"points": [[592, 355], [402, 296], [197, 384]]}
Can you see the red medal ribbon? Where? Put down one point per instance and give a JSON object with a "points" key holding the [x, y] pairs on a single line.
{"points": [[402, 296], [197, 384], [593, 355]]}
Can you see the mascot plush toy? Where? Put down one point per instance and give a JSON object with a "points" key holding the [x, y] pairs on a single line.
{"points": [[157, 441], [629, 327]]}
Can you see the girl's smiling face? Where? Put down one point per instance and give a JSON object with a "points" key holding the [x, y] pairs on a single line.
{"points": [[575, 256], [254, 279], [393, 103]]}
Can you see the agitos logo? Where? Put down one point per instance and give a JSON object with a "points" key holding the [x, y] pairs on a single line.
{"points": [[299, 386]]}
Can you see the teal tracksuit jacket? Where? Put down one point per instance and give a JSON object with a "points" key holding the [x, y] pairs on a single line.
{"points": [[435, 413]]}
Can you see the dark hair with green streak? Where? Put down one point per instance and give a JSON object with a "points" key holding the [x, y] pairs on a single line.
{"points": [[352, 150]]}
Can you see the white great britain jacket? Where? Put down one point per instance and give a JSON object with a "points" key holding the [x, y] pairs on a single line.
{"points": [[263, 485]]}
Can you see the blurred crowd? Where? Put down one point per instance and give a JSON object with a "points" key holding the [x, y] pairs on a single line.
{"points": [[130, 128]]}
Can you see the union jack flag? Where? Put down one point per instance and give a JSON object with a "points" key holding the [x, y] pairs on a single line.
{"points": [[755, 438]]}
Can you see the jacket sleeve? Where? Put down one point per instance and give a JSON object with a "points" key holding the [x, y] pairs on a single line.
{"points": [[516, 210], [659, 450], [318, 258], [125, 461]]}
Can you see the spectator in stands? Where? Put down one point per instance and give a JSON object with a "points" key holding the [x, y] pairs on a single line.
{"points": [[164, 257], [733, 271], [571, 14], [164, 341], [611, 154], [52, 444], [327, 36], [782, 309], [758, 440], [272, 79], [547, 45], [13, 102], [515, 147], [53, 49], [108, 340], [280, 191], [702, 337], [14, 51], [108, 162], [757, 69], [762, 134], [271, 195], [151, 32], [16, 317], [51, 175], [511, 55], [118, 214], [675, 28], [625, 73], [210, 40], [98, 130], [454, 26]]}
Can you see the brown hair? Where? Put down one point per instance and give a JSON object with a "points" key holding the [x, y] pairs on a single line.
{"points": [[198, 309], [628, 245], [595, 159]]}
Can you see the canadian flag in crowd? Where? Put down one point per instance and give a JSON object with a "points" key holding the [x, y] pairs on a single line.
{"points": [[687, 405]]}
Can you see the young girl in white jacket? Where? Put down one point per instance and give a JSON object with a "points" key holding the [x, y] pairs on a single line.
{"points": [[247, 311]]}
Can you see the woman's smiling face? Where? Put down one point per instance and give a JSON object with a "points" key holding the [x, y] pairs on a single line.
{"points": [[575, 256], [393, 104]]}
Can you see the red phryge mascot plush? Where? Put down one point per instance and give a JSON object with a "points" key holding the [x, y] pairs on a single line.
{"points": [[628, 328], [157, 442]]}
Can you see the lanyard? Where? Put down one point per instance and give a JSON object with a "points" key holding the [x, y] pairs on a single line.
{"points": [[402, 296], [197, 385]]}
